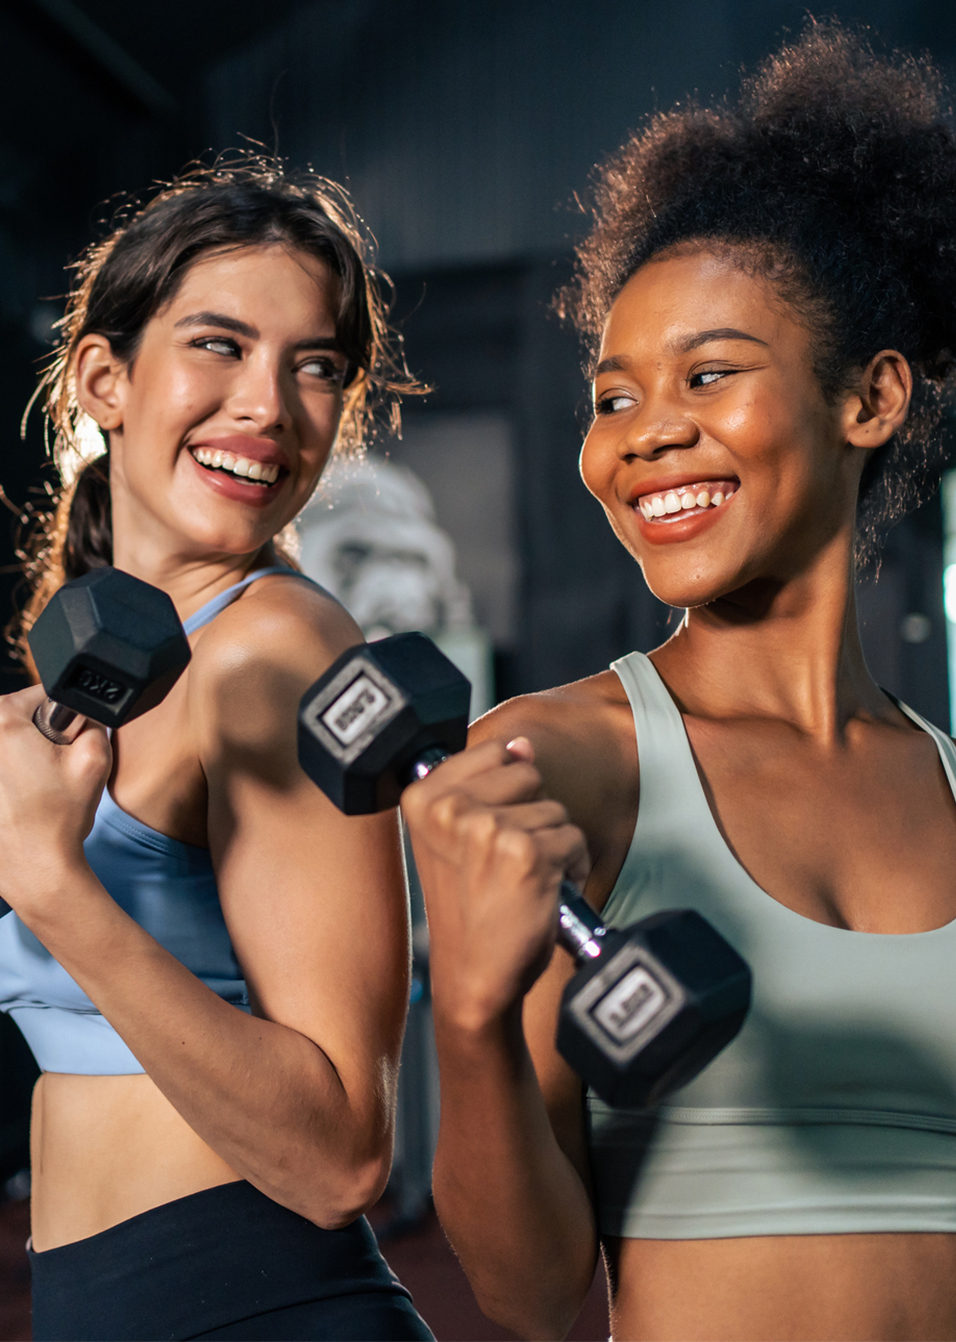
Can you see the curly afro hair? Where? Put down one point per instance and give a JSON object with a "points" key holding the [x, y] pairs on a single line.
{"points": [[834, 176]]}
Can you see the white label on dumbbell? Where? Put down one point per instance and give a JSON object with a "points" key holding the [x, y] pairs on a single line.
{"points": [[630, 1004], [354, 709]]}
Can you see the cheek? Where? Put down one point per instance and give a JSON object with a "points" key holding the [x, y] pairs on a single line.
{"points": [[169, 401], [593, 464]]}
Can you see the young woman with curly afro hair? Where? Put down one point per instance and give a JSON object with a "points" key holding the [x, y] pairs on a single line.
{"points": [[768, 295]]}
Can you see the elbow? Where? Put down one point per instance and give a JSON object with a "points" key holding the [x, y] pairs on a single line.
{"points": [[543, 1324], [331, 1194], [347, 1198]]}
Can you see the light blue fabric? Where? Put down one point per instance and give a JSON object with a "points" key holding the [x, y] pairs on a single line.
{"points": [[168, 887], [834, 1110]]}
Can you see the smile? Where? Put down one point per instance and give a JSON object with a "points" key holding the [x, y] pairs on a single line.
{"points": [[686, 500], [244, 468]]}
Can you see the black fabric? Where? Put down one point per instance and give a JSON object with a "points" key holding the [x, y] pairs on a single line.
{"points": [[228, 1263]]}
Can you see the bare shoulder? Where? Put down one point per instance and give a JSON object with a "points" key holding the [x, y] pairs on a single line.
{"points": [[586, 717], [585, 749], [254, 662]]}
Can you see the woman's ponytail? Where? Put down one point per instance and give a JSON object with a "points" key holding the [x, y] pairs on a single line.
{"points": [[88, 539]]}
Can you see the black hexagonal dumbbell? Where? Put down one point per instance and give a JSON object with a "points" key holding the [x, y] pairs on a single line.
{"points": [[107, 646], [652, 1004]]}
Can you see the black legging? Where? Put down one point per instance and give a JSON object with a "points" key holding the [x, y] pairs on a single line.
{"points": [[225, 1263]]}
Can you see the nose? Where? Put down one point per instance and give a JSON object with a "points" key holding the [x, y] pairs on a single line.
{"points": [[658, 426], [260, 395]]}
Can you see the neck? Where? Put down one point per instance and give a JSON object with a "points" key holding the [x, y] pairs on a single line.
{"points": [[779, 649], [188, 578]]}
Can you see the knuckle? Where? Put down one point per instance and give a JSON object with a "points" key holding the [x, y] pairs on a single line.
{"points": [[445, 811], [518, 848]]}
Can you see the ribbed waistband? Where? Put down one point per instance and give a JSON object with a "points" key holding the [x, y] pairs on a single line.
{"points": [[199, 1263]]}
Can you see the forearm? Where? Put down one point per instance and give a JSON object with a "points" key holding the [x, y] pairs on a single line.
{"points": [[264, 1096], [512, 1203]]}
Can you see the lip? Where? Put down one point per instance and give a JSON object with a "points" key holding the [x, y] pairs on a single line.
{"points": [[263, 450], [685, 528], [252, 493]]}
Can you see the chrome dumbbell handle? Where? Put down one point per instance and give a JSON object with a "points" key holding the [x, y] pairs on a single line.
{"points": [[58, 724]]}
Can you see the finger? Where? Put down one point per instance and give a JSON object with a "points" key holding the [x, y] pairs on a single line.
{"points": [[564, 849], [22, 704], [532, 815], [516, 782], [472, 761], [520, 748]]}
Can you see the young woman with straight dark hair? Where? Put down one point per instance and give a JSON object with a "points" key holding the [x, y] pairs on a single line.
{"points": [[769, 299], [208, 960]]}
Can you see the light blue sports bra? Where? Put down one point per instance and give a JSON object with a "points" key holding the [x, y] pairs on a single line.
{"points": [[834, 1109], [168, 887]]}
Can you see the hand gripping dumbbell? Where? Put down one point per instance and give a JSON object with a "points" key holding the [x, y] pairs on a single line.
{"points": [[651, 1005], [106, 646]]}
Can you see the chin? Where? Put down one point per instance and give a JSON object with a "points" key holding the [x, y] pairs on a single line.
{"points": [[689, 589]]}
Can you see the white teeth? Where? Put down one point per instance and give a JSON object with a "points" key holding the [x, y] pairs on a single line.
{"points": [[241, 466], [687, 500]]}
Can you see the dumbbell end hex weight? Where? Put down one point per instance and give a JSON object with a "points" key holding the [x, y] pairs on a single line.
{"points": [[107, 646], [376, 712], [659, 1002]]}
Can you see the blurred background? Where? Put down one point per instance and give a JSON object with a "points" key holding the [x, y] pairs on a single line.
{"points": [[464, 130]]}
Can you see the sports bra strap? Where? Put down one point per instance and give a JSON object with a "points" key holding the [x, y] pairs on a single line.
{"points": [[219, 603], [944, 743]]}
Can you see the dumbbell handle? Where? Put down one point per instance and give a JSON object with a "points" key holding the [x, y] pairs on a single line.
{"points": [[580, 930], [58, 724]]}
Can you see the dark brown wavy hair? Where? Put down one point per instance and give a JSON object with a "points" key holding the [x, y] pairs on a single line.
{"points": [[245, 200]]}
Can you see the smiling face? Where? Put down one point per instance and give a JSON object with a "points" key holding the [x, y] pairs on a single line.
{"points": [[223, 421], [713, 450]]}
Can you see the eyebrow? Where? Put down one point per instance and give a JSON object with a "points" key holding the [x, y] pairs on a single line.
{"points": [[250, 332], [615, 364]]}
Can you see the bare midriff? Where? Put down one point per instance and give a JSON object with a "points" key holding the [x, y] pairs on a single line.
{"points": [[866, 1287], [105, 1148]]}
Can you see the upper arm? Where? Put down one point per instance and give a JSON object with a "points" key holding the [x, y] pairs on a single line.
{"points": [[314, 900]]}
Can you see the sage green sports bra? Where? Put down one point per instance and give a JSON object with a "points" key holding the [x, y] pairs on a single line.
{"points": [[834, 1109]]}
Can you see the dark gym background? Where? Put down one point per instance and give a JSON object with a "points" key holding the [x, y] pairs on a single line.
{"points": [[463, 128]]}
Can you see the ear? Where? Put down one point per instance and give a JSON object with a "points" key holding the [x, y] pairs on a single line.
{"points": [[100, 382], [880, 402]]}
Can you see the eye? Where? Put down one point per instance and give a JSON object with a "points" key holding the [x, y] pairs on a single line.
{"points": [[321, 366], [613, 404], [708, 377], [217, 345]]}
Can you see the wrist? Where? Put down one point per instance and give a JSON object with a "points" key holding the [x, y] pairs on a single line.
{"points": [[59, 887], [475, 1016]]}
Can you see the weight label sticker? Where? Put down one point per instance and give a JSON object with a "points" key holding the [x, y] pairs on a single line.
{"points": [[355, 709], [630, 1004]]}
